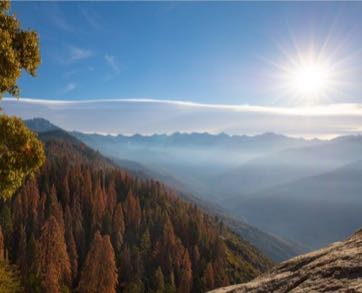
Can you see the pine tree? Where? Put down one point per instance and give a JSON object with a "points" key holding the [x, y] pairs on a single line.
{"points": [[159, 281], [111, 199], [132, 210], [145, 244], [208, 277], [33, 281], [98, 206], [71, 246], [118, 227], [22, 249], [185, 283], [99, 273], [54, 262], [125, 267], [55, 207], [170, 286]]}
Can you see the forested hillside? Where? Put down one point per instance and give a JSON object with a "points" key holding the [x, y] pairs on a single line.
{"points": [[83, 224], [273, 247]]}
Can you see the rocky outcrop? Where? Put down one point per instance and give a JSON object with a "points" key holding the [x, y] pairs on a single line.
{"points": [[336, 268]]}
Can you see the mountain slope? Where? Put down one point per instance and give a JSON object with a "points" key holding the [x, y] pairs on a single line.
{"points": [[315, 211], [288, 165], [275, 248], [150, 230], [341, 184], [336, 268], [41, 125]]}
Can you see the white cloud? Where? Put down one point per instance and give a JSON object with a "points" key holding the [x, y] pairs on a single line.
{"points": [[72, 54], [91, 17], [112, 62], [68, 88], [77, 53], [149, 116]]}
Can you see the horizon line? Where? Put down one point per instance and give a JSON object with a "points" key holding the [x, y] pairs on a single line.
{"points": [[230, 135]]}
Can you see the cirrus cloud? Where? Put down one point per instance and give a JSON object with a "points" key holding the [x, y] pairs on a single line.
{"points": [[112, 62], [68, 88], [148, 116]]}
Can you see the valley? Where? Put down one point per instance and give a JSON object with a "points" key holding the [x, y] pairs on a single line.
{"points": [[305, 191]]}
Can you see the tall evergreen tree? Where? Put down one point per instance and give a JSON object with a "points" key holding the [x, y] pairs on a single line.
{"points": [[54, 264], [185, 283], [99, 273], [159, 281]]}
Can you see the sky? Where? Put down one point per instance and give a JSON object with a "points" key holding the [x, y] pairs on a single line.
{"points": [[219, 53]]}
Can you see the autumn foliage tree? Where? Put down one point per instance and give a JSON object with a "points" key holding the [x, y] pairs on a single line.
{"points": [[99, 273], [185, 285], [19, 49], [54, 264], [159, 281], [20, 151]]}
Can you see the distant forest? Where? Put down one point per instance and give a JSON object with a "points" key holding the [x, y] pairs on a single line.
{"points": [[83, 225]]}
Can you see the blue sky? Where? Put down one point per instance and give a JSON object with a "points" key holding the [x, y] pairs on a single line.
{"points": [[160, 67], [205, 52]]}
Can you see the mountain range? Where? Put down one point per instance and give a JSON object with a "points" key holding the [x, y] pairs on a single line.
{"points": [[290, 187], [196, 159], [274, 247]]}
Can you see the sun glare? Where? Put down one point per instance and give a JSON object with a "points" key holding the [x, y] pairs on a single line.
{"points": [[310, 79], [310, 74]]}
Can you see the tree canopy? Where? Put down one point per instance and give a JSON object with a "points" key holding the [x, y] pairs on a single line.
{"points": [[21, 153], [19, 49]]}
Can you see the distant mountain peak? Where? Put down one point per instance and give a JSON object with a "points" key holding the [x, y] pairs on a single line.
{"points": [[270, 134], [40, 125]]}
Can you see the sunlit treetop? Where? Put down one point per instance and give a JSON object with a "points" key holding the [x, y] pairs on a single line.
{"points": [[19, 49], [21, 154]]}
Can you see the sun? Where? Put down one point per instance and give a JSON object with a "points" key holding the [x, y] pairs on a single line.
{"points": [[307, 78], [309, 73], [311, 79]]}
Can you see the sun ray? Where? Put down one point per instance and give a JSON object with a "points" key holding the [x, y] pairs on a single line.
{"points": [[310, 72]]}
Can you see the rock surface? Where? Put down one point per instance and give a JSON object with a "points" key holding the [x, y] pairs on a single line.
{"points": [[336, 268]]}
